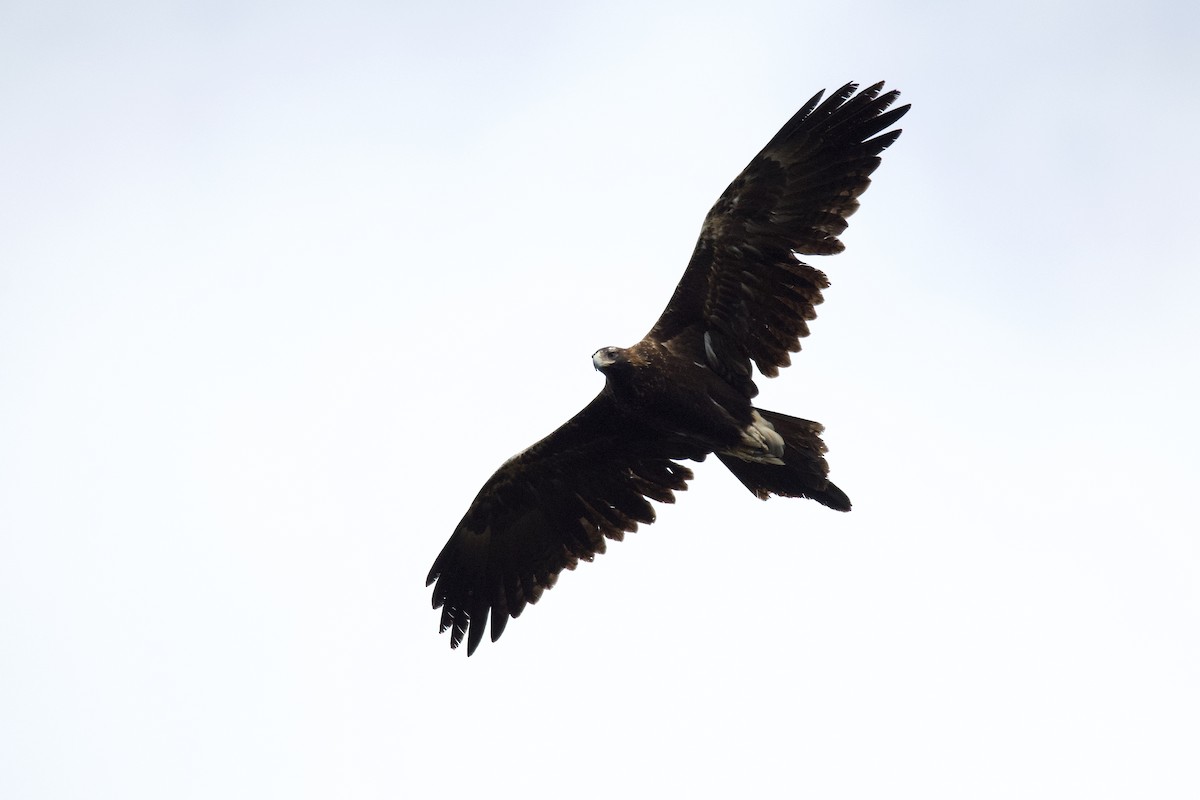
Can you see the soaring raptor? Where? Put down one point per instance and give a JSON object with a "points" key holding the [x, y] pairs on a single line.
{"points": [[684, 390]]}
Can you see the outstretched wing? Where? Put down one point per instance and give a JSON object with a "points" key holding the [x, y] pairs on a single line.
{"points": [[546, 509], [744, 296]]}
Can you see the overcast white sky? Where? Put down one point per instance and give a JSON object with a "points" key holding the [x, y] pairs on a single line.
{"points": [[281, 284]]}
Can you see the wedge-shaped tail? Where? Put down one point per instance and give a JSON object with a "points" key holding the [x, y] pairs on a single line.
{"points": [[804, 472]]}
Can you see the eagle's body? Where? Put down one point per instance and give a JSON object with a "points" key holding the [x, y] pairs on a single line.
{"points": [[686, 389], [671, 392]]}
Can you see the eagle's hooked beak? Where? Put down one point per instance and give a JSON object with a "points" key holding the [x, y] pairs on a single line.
{"points": [[603, 358]]}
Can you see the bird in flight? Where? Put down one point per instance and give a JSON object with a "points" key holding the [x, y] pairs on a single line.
{"points": [[686, 389]]}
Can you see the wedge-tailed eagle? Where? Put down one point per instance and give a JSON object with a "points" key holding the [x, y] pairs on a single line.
{"points": [[685, 390]]}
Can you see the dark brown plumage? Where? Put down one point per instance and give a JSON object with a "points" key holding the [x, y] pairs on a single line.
{"points": [[684, 390]]}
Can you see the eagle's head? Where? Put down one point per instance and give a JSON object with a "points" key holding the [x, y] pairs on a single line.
{"points": [[606, 358]]}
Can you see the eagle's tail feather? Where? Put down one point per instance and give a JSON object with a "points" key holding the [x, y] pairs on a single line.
{"points": [[804, 472]]}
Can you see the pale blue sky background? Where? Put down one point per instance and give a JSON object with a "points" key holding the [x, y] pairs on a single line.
{"points": [[281, 284]]}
